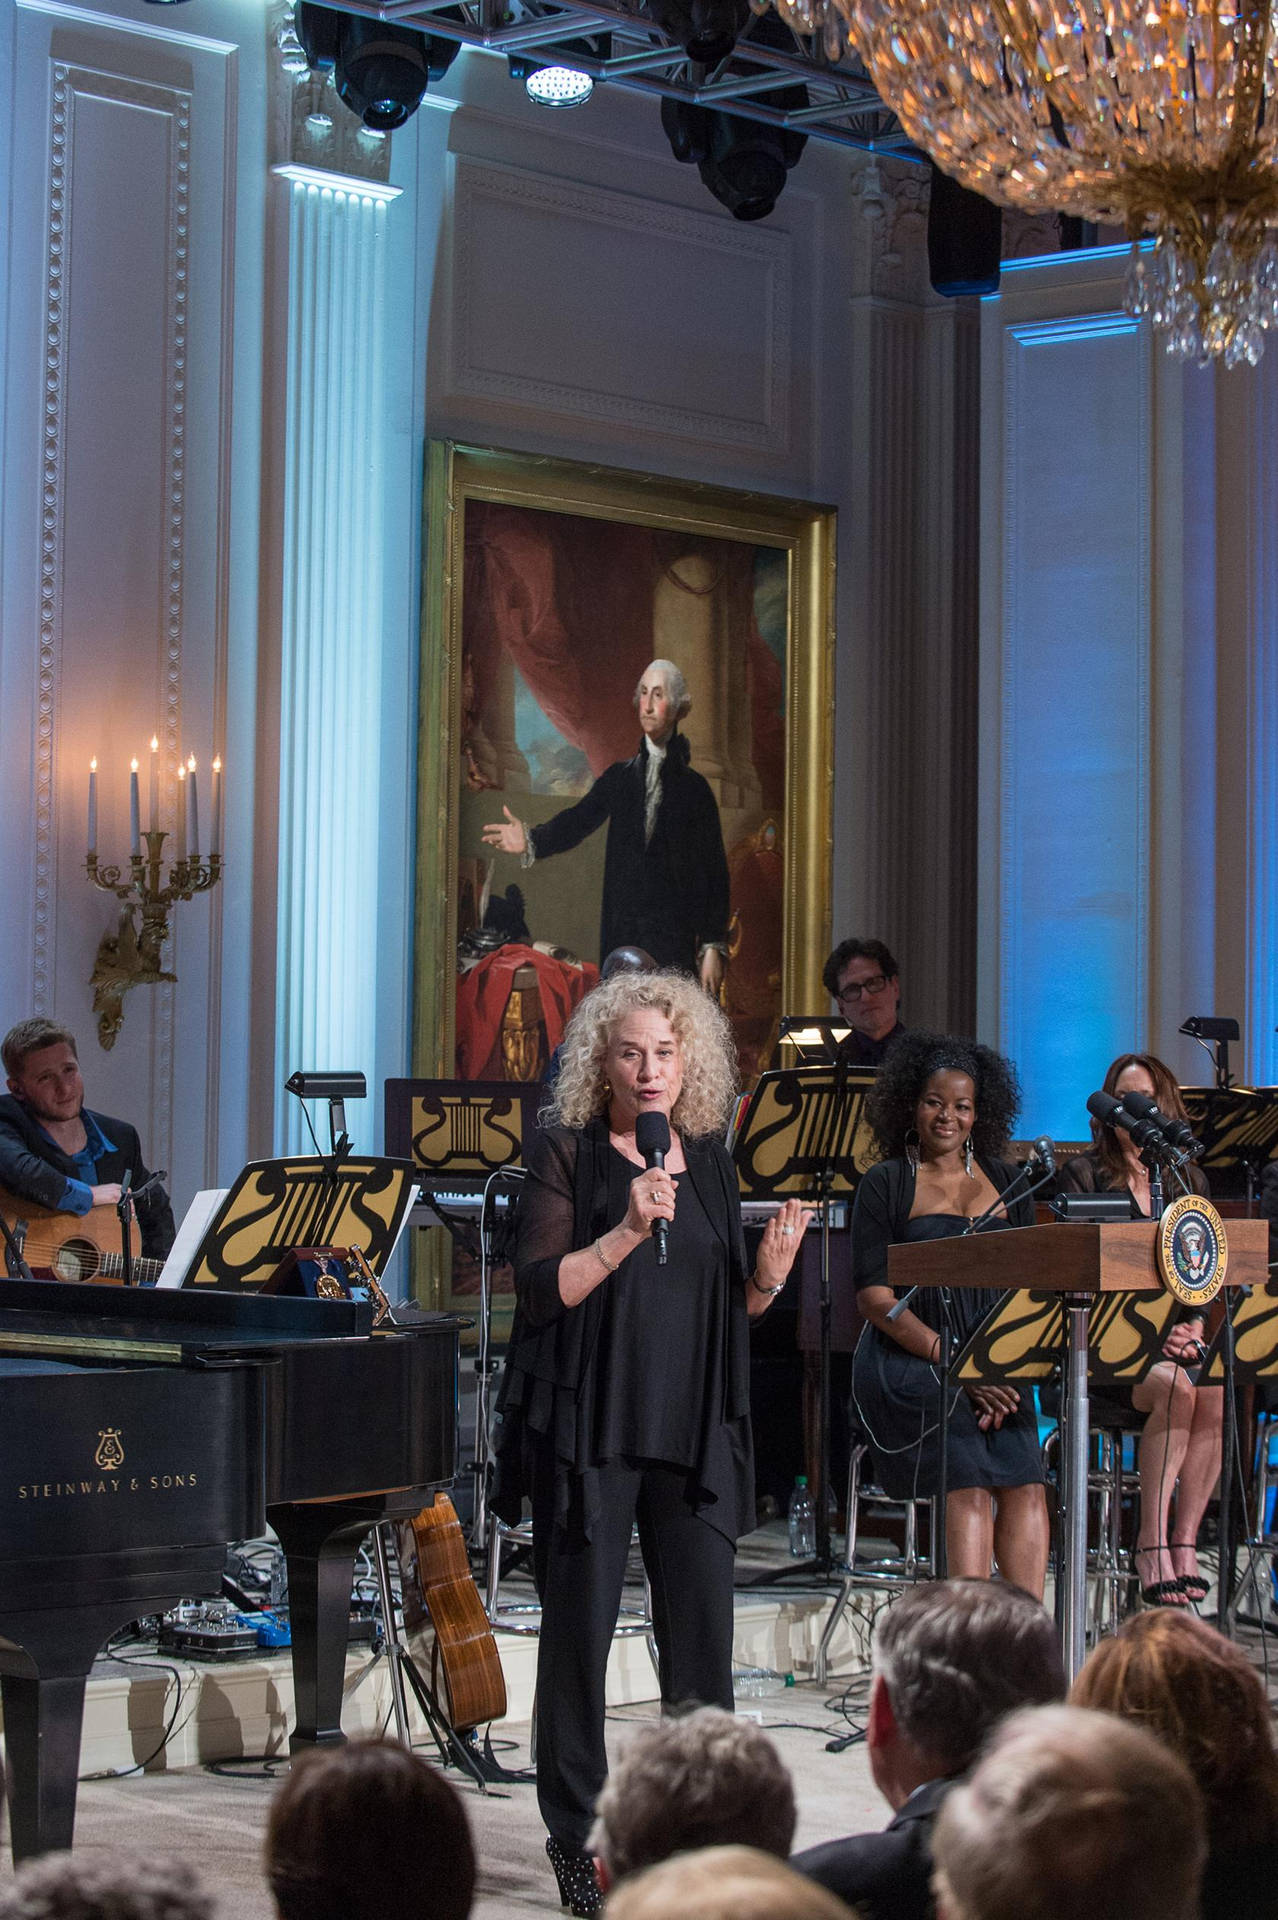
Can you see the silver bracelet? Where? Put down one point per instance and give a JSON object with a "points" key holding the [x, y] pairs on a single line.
{"points": [[602, 1257], [771, 1292]]}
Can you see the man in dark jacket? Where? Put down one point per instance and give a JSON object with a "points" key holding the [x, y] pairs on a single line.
{"points": [[864, 978], [951, 1658], [57, 1154], [665, 885]]}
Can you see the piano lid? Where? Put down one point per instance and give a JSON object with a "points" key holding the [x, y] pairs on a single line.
{"points": [[99, 1324]]}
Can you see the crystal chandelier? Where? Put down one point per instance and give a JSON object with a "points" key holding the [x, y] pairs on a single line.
{"points": [[1157, 115]]}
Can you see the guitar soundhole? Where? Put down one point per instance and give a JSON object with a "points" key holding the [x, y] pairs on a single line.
{"points": [[75, 1260]]}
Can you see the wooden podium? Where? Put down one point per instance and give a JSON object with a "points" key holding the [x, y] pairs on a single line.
{"points": [[1076, 1262]]}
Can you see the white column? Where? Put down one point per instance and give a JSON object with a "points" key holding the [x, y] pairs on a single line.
{"points": [[336, 449], [905, 859]]}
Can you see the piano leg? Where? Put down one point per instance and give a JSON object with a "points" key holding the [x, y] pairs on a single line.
{"points": [[320, 1543], [42, 1722]]}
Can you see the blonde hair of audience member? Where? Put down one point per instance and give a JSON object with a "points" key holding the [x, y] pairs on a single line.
{"points": [[701, 1779], [1071, 1815], [723, 1883], [1169, 1672], [368, 1829], [106, 1886], [708, 1055]]}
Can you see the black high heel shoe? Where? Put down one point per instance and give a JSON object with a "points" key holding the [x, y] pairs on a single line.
{"points": [[1159, 1593], [1192, 1585], [578, 1884]]}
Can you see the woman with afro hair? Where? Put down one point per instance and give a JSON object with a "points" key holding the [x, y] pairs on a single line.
{"points": [[942, 1110]]}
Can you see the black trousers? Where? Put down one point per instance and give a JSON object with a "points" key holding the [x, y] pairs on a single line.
{"points": [[579, 1581]]}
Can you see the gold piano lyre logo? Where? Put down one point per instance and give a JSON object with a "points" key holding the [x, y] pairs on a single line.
{"points": [[110, 1453]]}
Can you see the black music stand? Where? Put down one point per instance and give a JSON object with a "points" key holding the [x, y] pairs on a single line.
{"points": [[1243, 1350], [1238, 1127], [804, 1137], [275, 1206], [462, 1136]]}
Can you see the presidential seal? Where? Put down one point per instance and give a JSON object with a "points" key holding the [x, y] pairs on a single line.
{"points": [[1192, 1250]]}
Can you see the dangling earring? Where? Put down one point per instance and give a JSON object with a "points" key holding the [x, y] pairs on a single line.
{"points": [[967, 1156], [912, 1149]]}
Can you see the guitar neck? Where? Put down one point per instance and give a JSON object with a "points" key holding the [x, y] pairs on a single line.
{"points": [[145, 1272]]}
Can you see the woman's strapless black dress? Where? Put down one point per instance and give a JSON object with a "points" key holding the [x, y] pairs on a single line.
{"points": [[894, 1397]]}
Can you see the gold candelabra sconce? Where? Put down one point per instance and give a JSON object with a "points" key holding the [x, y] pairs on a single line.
{"points": [[132, 955]]}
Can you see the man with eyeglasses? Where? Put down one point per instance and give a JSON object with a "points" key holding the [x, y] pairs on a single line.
{"points": [[863, 977]]}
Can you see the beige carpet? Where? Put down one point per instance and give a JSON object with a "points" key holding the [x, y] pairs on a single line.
{"points": [[217, 1818]]}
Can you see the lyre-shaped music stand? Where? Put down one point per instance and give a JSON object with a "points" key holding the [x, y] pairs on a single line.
{"points": [[275, 1206], [462, 1135], [804, 1137]]}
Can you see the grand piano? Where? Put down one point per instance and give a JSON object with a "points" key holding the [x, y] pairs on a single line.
{"points": [[139, 1432]]}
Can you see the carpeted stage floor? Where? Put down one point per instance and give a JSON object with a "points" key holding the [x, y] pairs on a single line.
{"points": [[217, 1819]]}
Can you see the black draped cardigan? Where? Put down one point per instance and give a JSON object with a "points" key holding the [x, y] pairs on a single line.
{"points": [[553, 1348]]}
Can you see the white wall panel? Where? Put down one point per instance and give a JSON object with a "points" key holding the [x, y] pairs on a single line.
{"points": [[608, 285], [118, 392]]}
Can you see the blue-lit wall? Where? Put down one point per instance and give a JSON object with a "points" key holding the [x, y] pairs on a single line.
{"points": [[1129, 690]]}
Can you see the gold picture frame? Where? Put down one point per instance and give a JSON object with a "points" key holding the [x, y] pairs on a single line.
{"points": [[804, 532]]}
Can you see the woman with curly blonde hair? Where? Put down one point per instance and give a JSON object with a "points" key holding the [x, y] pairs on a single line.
{"points": [[626, 1395]]}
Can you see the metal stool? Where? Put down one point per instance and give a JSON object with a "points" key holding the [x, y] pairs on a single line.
{"points": [[891, 1573], [1110, 1570]]}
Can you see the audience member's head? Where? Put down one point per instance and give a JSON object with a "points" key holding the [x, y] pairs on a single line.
{"points": [[723, 1883], [105, 1886], [1169, 1672], [368, 1829], [703, 1779], [1071, 1815], [951, 1658]]}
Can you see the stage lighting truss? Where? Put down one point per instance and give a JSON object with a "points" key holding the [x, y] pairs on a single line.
{"points": [[843, 107]]}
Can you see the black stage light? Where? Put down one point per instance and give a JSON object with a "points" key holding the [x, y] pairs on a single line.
{"points": [[707, 30], [743, 163], [380, 70], [318, 30], [964, 239]]}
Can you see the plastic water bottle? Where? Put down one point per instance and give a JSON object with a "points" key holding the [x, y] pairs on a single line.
{"points": [[802, 1520]]}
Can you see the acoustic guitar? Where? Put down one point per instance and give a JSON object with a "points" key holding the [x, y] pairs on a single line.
{"points": [[438, 1586], [73, 1246]]}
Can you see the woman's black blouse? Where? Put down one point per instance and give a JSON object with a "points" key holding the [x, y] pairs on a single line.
{"points": [[654, 1362]]}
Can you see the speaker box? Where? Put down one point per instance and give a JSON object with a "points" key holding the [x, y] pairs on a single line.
{"points": [[964, 239]]}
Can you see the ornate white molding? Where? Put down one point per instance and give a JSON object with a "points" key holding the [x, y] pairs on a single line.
{"points": [[69, 83], [345, 183], [633, 228], [889, 260]]}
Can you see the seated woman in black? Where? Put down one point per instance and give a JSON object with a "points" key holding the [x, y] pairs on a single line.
{"points": [[1180, 1441], [941, 1111]]}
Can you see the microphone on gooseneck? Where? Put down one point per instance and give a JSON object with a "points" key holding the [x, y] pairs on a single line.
{"points": [[1042, 1155], [1178, 1133], [1146, 1133], [652, 1137]]}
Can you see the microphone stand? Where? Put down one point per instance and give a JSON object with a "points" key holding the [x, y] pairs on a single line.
{"points": [[124, 1208], [14, 1259]]}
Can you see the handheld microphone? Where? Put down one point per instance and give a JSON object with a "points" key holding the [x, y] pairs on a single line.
{"points": [[1178, 1133], [652, 1137]]}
